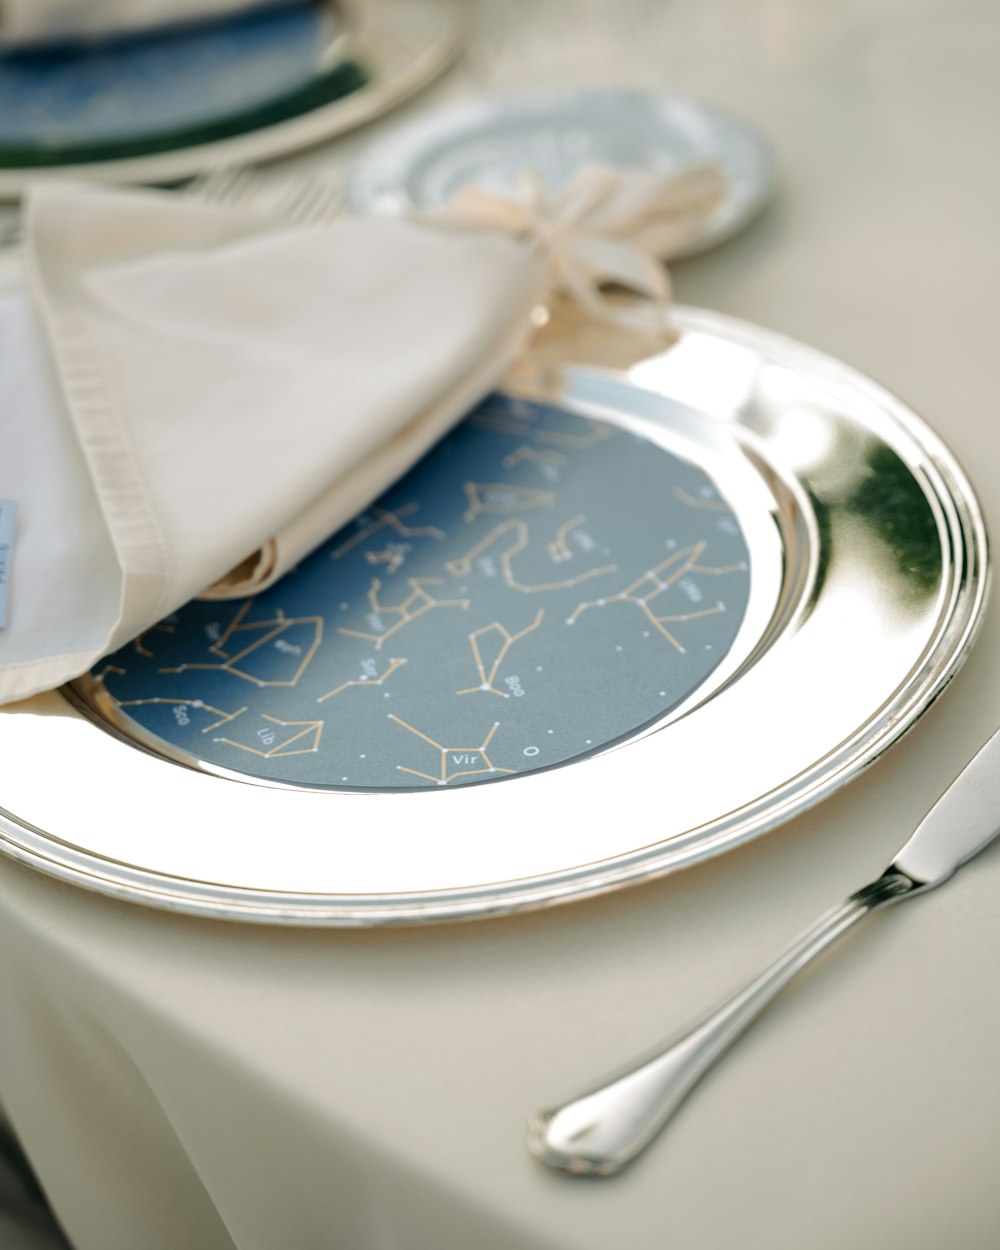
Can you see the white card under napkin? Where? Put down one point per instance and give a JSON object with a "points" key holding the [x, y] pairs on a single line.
{"points": [[39, 21], [220, 381]]}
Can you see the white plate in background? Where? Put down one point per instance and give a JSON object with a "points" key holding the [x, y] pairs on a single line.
{"points": [[488, 142]]}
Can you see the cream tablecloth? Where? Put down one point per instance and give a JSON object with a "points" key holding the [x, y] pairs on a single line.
{"points": [[188, 1085]]}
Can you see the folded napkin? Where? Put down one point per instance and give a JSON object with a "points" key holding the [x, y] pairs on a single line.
{"points": [[182, 385], [194, 397], [43, 21]]}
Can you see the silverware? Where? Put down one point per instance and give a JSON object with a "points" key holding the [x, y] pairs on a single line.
{"points": [[600, 1132], [300, 199]]}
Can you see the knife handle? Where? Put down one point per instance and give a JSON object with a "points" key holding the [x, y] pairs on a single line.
{"points": [[604, 1129]]}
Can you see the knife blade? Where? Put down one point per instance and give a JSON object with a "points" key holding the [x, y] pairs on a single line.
{"points": [[965, 819]]}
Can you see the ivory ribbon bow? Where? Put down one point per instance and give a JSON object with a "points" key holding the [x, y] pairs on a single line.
{"points": [[604, 227]]}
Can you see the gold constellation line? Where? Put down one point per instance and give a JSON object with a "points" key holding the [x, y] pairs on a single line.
{"points": [[139, 642], [461, 756], [486, 678], [224, 717], [645, 589], [394, 556], [405, 612], [558, 549], [281, 749], [235, 625], [273, 629], [692, 501], [381, 519], [363, 680], [102, 676], [500, 497], [533, 456], [463, 565]]}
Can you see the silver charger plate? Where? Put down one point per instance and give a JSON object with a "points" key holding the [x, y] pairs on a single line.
{"points": [[398, 47], [776, 568], [490, 142]]}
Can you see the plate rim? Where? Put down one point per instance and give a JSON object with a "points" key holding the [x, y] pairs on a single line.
{"points": [[455, 117], [931, 672], [424, 61]]}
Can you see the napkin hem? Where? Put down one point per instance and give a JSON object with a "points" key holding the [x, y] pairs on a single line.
{"points": [[42, 675], [90, 391]]}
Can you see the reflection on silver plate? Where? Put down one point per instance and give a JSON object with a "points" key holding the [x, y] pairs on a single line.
{"points": [[490, 142], [260, 100], [621, 620]]}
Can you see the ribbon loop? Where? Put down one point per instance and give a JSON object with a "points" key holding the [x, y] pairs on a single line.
{"points": [[605, 227]]}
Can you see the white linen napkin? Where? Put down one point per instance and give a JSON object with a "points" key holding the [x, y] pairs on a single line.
{"points": [[42, 21], [192, 397], [182, 384]]}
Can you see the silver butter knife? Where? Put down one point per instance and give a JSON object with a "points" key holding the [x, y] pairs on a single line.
{"points": [[601, 1131]]}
